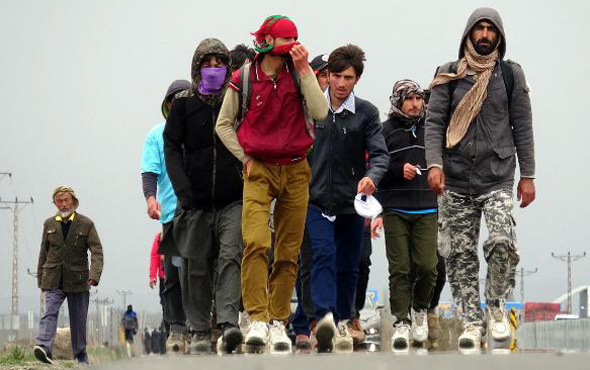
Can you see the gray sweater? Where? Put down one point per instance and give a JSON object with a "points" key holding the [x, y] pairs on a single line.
{"points": [[485, 159]]}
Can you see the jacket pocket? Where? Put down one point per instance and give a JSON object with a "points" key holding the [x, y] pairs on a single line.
{"points": [[503, 164], [79, 273]]}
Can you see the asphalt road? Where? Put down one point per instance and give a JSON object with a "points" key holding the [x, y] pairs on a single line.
{"points": [[359, 361]]}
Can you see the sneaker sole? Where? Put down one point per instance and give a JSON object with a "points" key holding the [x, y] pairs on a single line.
{"points": [[280, 348], [325, 337], [233, 340], [400, 345], [42, 356], [255, 348]]}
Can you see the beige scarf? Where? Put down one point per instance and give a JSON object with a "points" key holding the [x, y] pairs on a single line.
{"points": [[469, 107]]}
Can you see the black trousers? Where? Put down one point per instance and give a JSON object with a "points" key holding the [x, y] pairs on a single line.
{"points": [[364, 270], [440, 282]]}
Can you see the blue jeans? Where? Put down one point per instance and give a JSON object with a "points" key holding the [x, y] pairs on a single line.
{"points": [[336, 249]]}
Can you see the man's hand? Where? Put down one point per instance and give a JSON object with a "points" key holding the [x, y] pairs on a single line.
{"points": [[248, 165], [299, 54], [92, 282], [153, 208], [525, 192], [409, 171], [436, 180], [366, 186], [153, 283], [376, 226]]}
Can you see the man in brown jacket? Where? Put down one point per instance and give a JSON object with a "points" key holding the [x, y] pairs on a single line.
{"points": [[63, 272]]}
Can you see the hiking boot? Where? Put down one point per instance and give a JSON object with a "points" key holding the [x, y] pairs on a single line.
{"points": [[343, 342], [43, 354], [278, 340], [400, 340], [356, 332], [498, 324], [434, 329], [231, 340], [470, 339], [201, 343], [256, 337], [325, 333], [303, 343], [419, 326], [175, 344]]}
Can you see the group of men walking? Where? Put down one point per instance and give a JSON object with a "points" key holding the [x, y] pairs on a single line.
{"points": [[277, 143]]}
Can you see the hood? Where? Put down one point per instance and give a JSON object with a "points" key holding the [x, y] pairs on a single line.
{"points": [[174, 88], [488, 14], [207, 46]]}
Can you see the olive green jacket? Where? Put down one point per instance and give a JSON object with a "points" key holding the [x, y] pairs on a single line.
{"points": [[68, 259]]}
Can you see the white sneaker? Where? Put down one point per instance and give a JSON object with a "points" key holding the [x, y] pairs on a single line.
{"points": [[470, 339], [400, 340], [419, 326], [278, 340], [498, 324], [257, 334], [343, 342], [325, 333]]}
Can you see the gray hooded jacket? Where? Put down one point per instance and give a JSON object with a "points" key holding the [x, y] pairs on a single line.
{"points": [[485, 159]]}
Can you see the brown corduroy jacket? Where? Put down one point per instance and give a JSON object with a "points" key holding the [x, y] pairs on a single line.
{"points": [[65, 262]]}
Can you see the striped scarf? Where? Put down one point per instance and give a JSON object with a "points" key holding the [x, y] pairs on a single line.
{"points": [[470, 106]]}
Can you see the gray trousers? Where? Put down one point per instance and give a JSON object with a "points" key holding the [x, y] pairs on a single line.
{"points": [[214, 272], [459, 225], [78, 312]]}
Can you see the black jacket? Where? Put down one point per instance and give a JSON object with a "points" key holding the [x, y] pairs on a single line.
{"points": [[338, 160], [405, 143], [204, 174]]}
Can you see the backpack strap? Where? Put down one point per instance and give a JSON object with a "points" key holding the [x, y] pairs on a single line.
{"points": [[308, 119], [245, 87], [508, 76]]}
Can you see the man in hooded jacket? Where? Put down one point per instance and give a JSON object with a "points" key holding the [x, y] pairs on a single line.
{"points": [[161, 204], [207, 181], [478, 123]]}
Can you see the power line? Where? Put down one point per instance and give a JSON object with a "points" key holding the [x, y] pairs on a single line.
{"points": [[569, 258], [124, 294]]}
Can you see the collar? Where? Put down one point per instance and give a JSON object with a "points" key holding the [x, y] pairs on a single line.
{"points": [[71, 218], [348, 104], [260, 75]]}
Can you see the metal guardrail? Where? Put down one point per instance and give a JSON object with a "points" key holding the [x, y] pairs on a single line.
{"points": [[571, 335]]}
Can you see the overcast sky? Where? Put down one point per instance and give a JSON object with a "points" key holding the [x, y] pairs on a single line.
{"points": [[81, 83]]}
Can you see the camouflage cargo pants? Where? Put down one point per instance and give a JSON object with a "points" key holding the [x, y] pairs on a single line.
{"points": [[459, 225]]}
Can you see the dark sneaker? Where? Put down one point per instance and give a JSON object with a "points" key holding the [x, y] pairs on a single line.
{"points": [[232, 338], [43, 355], [82, 358], [201, 343]]}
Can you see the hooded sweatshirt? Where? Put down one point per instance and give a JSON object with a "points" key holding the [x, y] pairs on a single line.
{"points": [[204, 174], [484, 160]]}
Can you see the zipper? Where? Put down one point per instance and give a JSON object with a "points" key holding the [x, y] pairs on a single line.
{"points": [[330, 162], [214, 174]]}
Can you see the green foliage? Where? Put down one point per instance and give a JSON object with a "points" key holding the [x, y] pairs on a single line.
{"points": [[16, 355]]}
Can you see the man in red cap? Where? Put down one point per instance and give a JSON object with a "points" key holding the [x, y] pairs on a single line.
{"points": [[274, 101]]}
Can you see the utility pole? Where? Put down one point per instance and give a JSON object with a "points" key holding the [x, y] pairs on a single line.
{"points": [[569, 258], [522, 273], [16, 206], [4, 174], [124, 294], [98, 302], [42, 295]]}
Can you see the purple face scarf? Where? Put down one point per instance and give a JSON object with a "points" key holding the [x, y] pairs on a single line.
{"points": [[212, 80]]}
